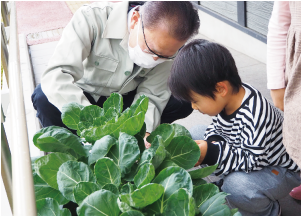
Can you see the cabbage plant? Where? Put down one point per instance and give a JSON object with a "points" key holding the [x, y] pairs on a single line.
{"points": [[106, 169]]}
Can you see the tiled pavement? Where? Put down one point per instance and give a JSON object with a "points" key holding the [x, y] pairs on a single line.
{"points": [[73, 6]]}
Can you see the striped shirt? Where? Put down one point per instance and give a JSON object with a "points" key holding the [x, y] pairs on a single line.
{"points": [[248, 139]]}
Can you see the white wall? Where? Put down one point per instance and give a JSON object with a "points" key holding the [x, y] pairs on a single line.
{"points": [[229, 36]]}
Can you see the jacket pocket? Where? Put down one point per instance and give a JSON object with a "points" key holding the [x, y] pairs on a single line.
{"points": [[100, 69], [105, 63]]}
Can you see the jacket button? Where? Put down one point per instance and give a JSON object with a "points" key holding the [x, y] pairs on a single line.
{"points": [[143, 72], [127, 73], [96, 63]]}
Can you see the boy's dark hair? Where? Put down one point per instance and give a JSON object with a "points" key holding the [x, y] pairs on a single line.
{"points": [[180, 16], [199, 66]]}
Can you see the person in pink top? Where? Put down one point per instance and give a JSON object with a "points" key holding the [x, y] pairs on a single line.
{"points": [[284, 74]]}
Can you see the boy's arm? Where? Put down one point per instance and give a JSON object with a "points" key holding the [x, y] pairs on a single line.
{"points": [[257, 144], [209, 152]]}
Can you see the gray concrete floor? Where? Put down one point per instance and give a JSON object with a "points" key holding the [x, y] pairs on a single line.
{"points": [[252, 72]]}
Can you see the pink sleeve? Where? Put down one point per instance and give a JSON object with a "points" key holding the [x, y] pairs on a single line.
{"points": [[276, 44]]}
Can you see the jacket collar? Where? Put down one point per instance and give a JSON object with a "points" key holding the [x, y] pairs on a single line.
{"points": [[117, 25]]}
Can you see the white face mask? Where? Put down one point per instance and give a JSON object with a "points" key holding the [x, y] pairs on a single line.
{"points": [[141, 58]]}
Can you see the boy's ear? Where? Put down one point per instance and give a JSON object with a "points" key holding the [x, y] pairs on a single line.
{"points": [[222, 88]]}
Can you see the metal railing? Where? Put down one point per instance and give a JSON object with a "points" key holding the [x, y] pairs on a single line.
{"points": [[23, 196]]}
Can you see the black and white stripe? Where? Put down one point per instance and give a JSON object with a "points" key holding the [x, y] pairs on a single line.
{"points": [[252, 137]]}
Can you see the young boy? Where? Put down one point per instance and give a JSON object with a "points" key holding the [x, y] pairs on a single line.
{"points": [[245, 137]]}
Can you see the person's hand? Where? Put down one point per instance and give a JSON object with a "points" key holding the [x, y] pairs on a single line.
{"points": [[203, 146], [147, 144], [278, 98]]}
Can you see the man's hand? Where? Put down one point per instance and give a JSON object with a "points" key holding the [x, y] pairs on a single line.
{"points": [[203, 146], [278, 98], [147, 144]]}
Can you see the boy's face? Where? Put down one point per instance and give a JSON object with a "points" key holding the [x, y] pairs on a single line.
{"points": [[207, 105]]}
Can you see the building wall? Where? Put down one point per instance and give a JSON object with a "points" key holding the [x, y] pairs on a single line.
{"points": [[222, 22], [258, 15], [231, 37], [224, 8]]}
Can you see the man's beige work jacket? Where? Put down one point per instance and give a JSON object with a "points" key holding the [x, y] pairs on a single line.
{"points": [[92, 55]]}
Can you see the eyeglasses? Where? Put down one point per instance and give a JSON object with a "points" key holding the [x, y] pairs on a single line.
{"points": [[160, 56]]}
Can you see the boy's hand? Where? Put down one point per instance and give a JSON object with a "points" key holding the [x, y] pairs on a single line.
{"points": [[203, 146], [147, 144]]}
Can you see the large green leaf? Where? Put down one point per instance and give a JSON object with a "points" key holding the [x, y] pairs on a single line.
{"points": [[197, 182], [90, 116], [172, 178], [166, 163], [125, 123], [130, 176], [126, 191], [47, 129], [33, 165], [149, 153], [104, 125], [142, 132], [235, 212], [83, 189], [132, 213], [107, 172], [141, 143], [204, 192], [127, 188], [47, 167], [147, 156], [111, 187], [132, 126], [70, 174], [140, 105], [112, 115], [203, 172], [43, 190], [101, 148], [99, 203], [59, 140], [143, 196], [145, 175], [181, 204], [184, 151], [215, 206], [180, 130], [91, 113], [84, 125], [49, 206], [114, 101], [100, 121], [166, 131], [160, 153], [125, 153], [71, 115], [124, 207]]}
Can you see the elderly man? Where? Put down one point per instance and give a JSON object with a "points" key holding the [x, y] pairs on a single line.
{"points": [[118, 47]]}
